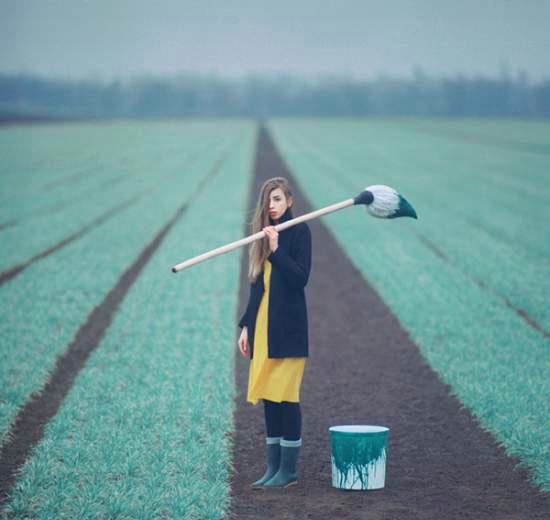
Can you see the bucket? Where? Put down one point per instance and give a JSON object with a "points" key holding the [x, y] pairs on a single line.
{"points": [[358, 456]]}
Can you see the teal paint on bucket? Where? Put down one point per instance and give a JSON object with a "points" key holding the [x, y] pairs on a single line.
{"points": [[358, 456]]}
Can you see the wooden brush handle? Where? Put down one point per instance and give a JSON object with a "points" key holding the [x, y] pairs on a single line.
{"points": [[261, 234]]}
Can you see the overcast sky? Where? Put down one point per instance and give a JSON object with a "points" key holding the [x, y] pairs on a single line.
{"points": [[104, 39]]}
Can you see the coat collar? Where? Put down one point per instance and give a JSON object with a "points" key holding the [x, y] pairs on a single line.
{"points": [[287, 215]]}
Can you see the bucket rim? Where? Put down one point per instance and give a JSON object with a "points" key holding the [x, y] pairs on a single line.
{"points": [[359, 428]]}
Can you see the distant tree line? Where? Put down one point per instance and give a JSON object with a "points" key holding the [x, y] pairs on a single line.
{"points": [[188, 95]]}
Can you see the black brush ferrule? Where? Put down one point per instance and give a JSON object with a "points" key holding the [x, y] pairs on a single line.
{"points": [[365, 197]]}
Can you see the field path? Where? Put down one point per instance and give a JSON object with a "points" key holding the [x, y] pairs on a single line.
{"points": [[364, 368]]}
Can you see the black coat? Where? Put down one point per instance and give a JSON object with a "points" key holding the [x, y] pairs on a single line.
{"points": [[287, 327]]}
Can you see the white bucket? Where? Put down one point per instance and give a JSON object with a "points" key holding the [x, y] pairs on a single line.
{"points": [[358, 456]]}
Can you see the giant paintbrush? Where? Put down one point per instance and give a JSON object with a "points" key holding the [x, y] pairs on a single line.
{"points": [[381, 202]]}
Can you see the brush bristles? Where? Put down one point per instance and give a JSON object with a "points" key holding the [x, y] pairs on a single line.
{"points": [[387, 203]]}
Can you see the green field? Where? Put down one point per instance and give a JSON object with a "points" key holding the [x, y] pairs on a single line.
{"points": [[144, 431], [150, 410]]}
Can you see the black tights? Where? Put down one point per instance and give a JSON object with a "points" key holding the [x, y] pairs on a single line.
{"points": [[283, 420]]}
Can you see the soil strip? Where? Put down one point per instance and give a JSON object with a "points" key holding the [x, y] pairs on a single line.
{"points": [[12, 272], [28, 427], [364, 369], [482, 285], [63, 181], [58, 206]]}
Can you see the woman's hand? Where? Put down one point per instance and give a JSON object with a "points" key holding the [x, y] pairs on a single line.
{"points": [[243, 342], [273, 236]]}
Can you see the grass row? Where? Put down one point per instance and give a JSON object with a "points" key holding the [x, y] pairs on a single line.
{"points": [[44, 306], [454, 195], [32, 236], [494, 361], [144, 432], [44, 162], [530, 136], [35, 156]]}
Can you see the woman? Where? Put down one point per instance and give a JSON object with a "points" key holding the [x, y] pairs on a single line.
{"points": [[275, 330]]}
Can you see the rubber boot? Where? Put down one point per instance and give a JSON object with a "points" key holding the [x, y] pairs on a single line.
{"points": [[287, 475], [273, 460]]}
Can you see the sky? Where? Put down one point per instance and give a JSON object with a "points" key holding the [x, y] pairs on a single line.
{"points": [[361, 39]]}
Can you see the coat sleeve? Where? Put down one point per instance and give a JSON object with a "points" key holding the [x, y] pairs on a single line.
{"points": [[295, 269], [243, 322]]}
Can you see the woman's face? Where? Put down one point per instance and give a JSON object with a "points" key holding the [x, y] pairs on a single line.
{"points": [[278, 203]]}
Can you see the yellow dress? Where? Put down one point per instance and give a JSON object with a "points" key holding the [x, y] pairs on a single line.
{"points": [[274, 379]]}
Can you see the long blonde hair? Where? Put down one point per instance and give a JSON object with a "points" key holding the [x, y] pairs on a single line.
{"points": [[259, 249]]}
